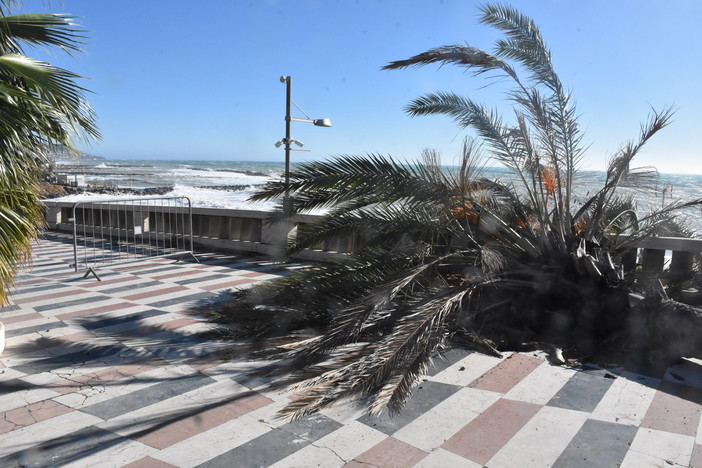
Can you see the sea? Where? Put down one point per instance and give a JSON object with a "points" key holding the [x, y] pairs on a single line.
{"points": [[229, 184]]}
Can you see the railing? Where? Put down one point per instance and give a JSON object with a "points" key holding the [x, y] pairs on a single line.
{"points": [[227, 230], [651, 254], [248, 231], [128, 230]]}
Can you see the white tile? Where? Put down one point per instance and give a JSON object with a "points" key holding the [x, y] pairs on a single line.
{"points": [[541, 384], [652, 448], [23, 438], [91, 394], [212, 443], [627, 400], [10, 401], [440, 423], [346, 412], [8, 373], [474, 365], [541, 440], [29, 323], [311, 456], [335, 449], [687, 372], [167, 410], [115, 456], [441, 458], [268, 414]]}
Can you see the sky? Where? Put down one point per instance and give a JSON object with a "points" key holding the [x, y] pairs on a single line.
{"points": [[175, 79]]}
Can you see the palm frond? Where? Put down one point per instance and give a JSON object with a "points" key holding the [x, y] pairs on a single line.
{"points": [[40, 29], [469, 57]]}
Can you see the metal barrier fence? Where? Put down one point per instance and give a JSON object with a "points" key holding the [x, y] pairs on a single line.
{"points": [[128, 230]]}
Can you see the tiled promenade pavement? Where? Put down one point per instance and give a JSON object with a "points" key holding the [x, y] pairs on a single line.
{"points": [[112, 373]]}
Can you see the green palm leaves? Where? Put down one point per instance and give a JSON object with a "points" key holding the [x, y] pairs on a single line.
{"points": [[446, 257], [40, 106]]}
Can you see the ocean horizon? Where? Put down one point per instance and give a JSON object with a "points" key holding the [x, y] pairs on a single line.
{"points": [[229, 183]]}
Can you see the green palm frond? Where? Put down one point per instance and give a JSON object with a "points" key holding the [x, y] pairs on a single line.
{"points": [[39, 29], [40, 105]]}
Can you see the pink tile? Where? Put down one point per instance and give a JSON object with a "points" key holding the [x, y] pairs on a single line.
{"points": [[485, 435], [148, 462], [253, 274], [75, 337], [175, 324], [155, 293], [507, 373], [30, 414], [110, 374], [22, 318], [182, 429], [42, 297], [390, 453], [675, 408]]}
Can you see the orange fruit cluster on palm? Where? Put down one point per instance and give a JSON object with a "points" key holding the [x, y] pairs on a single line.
{"points": [[548, 176], [464, 210]]}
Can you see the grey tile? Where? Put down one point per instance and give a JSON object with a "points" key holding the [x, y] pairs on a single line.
{"points": [[62, 450], [42, 271], [15, 385], [444, 360], [183, 299], [277, 444], [34, 329], [583, 391], [83, 354], [9, 308], [147, 396], [425, 397], [201, 279], [130, 287], [597, 444], [77, 302], [35, 289]]}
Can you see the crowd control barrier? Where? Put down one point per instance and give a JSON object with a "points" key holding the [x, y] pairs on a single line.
{"points": [[106, 232]]}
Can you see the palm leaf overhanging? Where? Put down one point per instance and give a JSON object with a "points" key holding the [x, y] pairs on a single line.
{"points": [[40, 106], [451, 257]]}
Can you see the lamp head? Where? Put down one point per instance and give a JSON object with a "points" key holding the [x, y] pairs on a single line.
{"points": [[322, 122]]}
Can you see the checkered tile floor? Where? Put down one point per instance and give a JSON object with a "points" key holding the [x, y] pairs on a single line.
{"points": [[113, 373]]}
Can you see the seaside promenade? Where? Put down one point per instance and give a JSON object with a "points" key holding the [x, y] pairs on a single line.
{"points": [[113, 373]]}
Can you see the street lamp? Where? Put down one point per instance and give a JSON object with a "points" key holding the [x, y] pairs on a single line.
{"points": [[287, 141]]}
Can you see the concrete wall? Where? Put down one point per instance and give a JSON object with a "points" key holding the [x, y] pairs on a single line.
{"points": [[212, 228], [250, 231]]}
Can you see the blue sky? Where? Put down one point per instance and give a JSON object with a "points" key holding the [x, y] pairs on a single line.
{"points": [[176, 79]]}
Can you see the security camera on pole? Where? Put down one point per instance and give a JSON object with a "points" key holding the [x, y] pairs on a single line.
{"points": [[288, 201]]}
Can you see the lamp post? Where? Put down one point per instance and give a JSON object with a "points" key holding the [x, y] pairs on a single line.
{"points": [[288, 140]]}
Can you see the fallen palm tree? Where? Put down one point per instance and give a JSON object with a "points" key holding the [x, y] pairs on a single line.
{"points": [[451, 258]]}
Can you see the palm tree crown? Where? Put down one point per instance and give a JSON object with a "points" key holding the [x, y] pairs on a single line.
{"points": [[451, 257], [40, 106]]}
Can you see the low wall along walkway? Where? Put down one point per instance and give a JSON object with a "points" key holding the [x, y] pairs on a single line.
{"points": [[231, 230]]}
